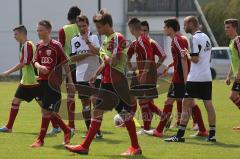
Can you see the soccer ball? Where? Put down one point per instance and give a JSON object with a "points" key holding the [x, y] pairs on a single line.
{"points": [[118, 121]]}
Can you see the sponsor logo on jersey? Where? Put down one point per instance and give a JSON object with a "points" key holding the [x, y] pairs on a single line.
{"points": [[46, 60], [49, 52]]}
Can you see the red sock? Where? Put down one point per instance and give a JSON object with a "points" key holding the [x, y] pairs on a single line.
{"points": [[197, 116], [132, 132], [12, 115], [95, 126], [71, 111], [146, 115], [44, 127], [167, 110], [54, 123], [179, 111], [154, 108], [61, 123]]}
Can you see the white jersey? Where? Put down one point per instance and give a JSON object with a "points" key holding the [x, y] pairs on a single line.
{"points": [[86, 67], [200, 46]]}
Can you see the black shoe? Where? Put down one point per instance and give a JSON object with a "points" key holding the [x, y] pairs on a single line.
{"points": [[175, 139], [211, 139], [99, 136]]}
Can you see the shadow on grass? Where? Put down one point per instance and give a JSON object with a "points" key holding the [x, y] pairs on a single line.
{"points": [[109, 141], [59, 147], [84, 131], [128, 157], [218, 144], [27, 133]]}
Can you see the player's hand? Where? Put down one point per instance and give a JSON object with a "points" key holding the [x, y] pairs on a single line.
{"points": [[228, 81], [92, 80], [44, 70], [4, 74]]}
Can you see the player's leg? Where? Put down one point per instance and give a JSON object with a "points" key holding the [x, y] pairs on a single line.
{"points": [[186, 113], [12, 115], [131, 128], [197, 116], [211, 120], [46, 117], [96, 121], [147, 115], [235, 98], [166, 113]]}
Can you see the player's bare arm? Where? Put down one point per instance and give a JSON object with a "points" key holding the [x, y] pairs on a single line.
{"points": [[41, 69], [70, 84], [80, 57], [97, 73], [13, 69], [229, 75]]}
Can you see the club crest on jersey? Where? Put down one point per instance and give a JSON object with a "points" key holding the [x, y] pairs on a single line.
{"points": [[49, 52], [77, 44]]}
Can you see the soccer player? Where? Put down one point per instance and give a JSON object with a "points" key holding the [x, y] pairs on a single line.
{"points": [[49, 59], [231, 27], [66, 33], [85, 46], [199, 79], [181, 68], [147, 69], [114, 82], [28, 88]]}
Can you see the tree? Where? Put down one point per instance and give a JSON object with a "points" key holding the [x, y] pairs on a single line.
{"points": [[216, 12]]}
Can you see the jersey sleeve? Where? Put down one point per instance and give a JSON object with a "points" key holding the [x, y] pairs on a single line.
{"points": [[120, 43], [95, 41], [36, 56], [26, 54], [131, 50], [195, 46], [61, 36], [61, 55], [237, 45], [73, 48], [157, 50]]}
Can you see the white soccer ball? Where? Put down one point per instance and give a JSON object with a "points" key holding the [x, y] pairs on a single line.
{"points": [[118, 121]]}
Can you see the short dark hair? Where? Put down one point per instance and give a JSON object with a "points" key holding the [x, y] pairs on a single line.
{"points": [[46, 24], [172, 23], [193, 20], [20, 28], [232, 21], [145, 23], [135, 23], [73, 12], [83, 18], [103, 17]]}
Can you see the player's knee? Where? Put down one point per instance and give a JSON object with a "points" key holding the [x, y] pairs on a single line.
{"points": [[16, 101]]}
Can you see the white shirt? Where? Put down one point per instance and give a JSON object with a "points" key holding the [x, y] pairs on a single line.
{"points": [[200, 46], [86, 67]]}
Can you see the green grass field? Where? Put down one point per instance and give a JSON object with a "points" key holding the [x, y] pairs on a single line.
{"points": [[16, 144]]}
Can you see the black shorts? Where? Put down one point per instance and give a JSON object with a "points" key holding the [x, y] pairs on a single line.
{"points": [[50, 97], [114, 96], [143, 91], [200, 90], [176, 90], [236, 87], [28, 93], [83, 88]]}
